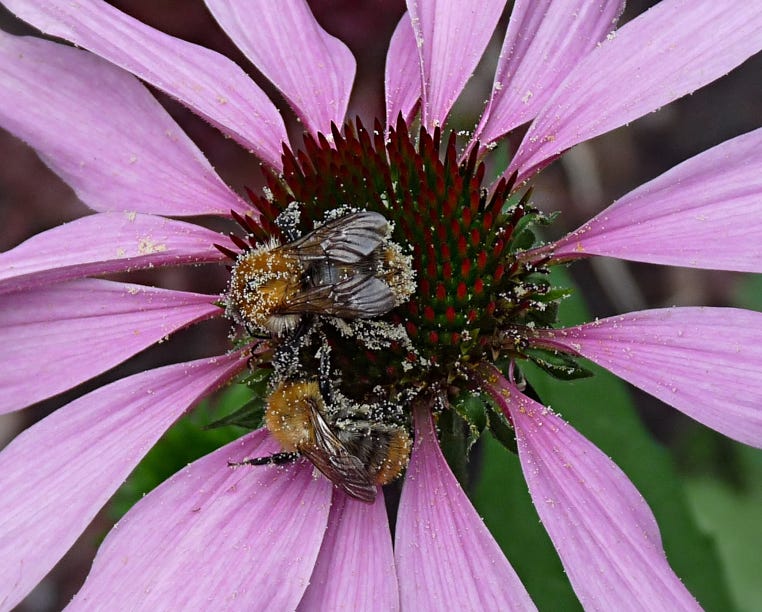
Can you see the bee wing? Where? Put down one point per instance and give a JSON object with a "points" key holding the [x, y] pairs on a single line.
{"points": [[331, 457], [359, 296], [345, 240]]}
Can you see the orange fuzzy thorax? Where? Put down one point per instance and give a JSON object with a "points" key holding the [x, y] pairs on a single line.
{"points": [[288, 414], [261, 283]]}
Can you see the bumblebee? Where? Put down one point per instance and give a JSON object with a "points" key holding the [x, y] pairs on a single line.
{"points": [[354, 452], [346, 268]]}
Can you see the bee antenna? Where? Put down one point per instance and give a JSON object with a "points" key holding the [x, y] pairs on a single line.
{"points": [[274, 459], [303, 328], [324, 374]]}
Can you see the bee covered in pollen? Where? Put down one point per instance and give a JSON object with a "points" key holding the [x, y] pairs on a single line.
{"points": [[346, 268], [355, 453]]}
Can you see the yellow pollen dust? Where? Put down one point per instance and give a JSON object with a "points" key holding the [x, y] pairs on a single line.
{"points": [[261, 282], [398, 273]]}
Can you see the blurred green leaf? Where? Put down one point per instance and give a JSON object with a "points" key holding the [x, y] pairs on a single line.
{"points": [[732, 515], [749, 293], [453, 439]]}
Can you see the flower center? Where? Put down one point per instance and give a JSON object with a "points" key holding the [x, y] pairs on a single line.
{"points": [[380, 273], [445, 230]]}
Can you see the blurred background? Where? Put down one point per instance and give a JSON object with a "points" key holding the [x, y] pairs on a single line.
{"points": [[705, 490]]}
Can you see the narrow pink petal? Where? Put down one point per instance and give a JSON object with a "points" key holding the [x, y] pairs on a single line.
{"points": [[56, 475], [669, 51], [214, 537], [205, 81], [451, 38], [601, 526], [706, 362], [704, 213], [402, 80], [120, 149], [59, 336], [446, 557], [103, 243], [355, 568], [312, 69], [544, 41]]}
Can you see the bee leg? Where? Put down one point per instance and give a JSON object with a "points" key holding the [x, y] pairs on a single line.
{"points": [[274, 459], [303, 329], [287, 353], [324, 373]]}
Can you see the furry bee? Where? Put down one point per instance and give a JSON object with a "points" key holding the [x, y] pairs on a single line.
{"points": [[346, 268], [355, 453]]}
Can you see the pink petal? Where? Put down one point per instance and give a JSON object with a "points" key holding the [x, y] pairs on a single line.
{"points": [[601, 526], [214, 537], [403, 73], [704, 213], [544, 41], [355, 568], [120, 149], [312, 69], [103, 243], [451, 37], [706, 362], [446, 557], [59, 336], [669, 51], [205, 81], [57, 474]]}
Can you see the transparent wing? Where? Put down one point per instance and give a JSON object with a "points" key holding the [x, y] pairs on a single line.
{"points": [[356, 297], [345, 240], [335, 462]]}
